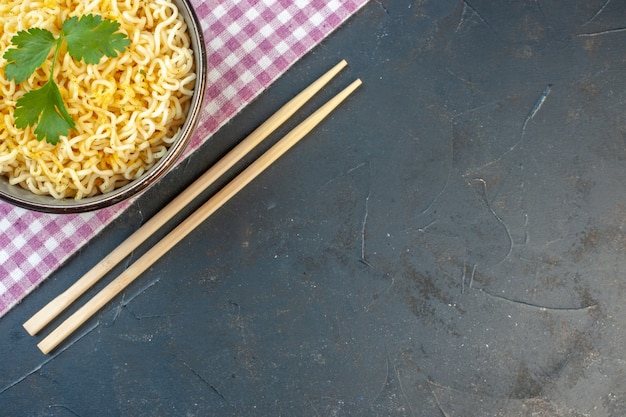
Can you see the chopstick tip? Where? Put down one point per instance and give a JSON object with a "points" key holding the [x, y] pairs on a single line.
{"points": [[31, 327], [354, 85], [341, 65], [45, 347]]}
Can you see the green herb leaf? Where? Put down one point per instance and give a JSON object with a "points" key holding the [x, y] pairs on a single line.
{"points": [[89, 38], [33, 47], [44, 107]]}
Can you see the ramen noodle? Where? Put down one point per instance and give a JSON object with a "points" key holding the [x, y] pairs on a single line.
{"points": [[127, 110]]}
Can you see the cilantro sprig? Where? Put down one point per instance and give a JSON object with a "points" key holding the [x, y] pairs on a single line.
{"points": [[87, 38]]}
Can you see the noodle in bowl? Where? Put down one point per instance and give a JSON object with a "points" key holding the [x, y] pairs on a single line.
{"points": [[134, 113]]}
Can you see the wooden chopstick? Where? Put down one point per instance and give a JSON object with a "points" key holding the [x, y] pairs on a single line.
{"points": [[220, 198], [64, 300]]}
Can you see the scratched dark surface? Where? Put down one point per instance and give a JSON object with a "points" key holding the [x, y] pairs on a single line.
{"points": [[450, 243]]}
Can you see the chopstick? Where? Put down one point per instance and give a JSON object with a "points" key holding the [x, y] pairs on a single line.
{"points": [[73, 322], [55, 307]]}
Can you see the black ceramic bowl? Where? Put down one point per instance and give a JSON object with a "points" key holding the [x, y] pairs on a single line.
{"points": [[24, 198]]}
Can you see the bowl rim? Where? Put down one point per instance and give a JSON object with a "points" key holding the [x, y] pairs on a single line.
{"points": [[26, 199]]}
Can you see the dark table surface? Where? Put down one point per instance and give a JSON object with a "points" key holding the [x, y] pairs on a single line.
{"points": [[450, 242]]}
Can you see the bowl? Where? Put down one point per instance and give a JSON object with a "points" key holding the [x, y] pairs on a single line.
{"points": [[24, 198]]}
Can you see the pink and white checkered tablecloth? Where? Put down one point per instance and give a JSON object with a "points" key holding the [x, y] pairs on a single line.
{"points": [[250, 43]]}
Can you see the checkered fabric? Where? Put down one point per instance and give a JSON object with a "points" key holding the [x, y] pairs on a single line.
{"points": [[250, 43]]}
